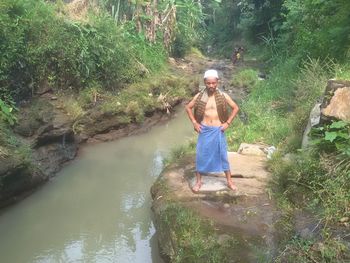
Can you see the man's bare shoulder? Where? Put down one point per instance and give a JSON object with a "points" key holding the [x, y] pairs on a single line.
{"points": [[192, 102], [225, 95], [228, 97], [196, 96]]}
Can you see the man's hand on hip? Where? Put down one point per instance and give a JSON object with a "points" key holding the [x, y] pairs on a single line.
{"points": [[224, 126], [197, 127]]}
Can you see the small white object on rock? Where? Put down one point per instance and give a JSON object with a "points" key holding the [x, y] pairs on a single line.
{"points": [[270, 150], [256, 150], [251, 149]]}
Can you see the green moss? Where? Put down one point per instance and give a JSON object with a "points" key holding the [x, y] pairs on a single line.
{"points": [[178, 153], [246, 78], [194, 239], [307, 251]]}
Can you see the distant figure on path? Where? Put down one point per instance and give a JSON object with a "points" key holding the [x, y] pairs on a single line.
{"points": [[237, 54], [210, 119]]}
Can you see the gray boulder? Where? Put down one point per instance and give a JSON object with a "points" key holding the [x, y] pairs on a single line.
{"points": [[335, 105]]}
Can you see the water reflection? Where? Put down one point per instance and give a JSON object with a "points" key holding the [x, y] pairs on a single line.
{"points": [[98, 208]]}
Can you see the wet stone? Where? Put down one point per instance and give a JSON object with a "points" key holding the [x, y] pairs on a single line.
{"points": [[211, 183]]}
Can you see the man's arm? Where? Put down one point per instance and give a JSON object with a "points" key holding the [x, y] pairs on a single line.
{"points": [[233, 114], [234, 108], [189, 107]]}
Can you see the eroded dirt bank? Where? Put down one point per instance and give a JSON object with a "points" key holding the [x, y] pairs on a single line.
{"points": [[48, 137]]}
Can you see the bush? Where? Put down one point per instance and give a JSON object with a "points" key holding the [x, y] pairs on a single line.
{"points": [[180, 47], [6, 113], [134, 111], [277, 108], [246, 78], [41, 50], [333, 137]]}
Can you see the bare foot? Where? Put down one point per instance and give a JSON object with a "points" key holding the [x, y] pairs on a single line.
{"points": [[232, 186], [196, 187]]}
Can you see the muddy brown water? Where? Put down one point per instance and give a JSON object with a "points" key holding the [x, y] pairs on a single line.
{"points": [[98, 208]]}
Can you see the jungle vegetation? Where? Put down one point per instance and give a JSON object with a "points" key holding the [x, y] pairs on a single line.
{"points": [[104, 46]]}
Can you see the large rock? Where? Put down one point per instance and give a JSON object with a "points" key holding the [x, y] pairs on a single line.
{"points": [[247, 214], [335, 105], [336, 102], [17, 178], [252, 149], [49, 131], [314, 119]]}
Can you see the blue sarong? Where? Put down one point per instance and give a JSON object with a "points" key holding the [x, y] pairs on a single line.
{"points": [[211, 150]]}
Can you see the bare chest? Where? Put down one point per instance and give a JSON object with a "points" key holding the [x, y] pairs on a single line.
{"points": [[211, 104]]}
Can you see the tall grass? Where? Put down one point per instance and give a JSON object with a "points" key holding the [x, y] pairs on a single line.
{"points": [[42, 49], [276, 110], [195, 239]]}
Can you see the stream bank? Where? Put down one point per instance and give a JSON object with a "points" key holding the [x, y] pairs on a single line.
{"points": [[52, 125], [246, 226], [97, 208]]}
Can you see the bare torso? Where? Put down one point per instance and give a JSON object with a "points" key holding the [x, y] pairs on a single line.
{"points": [[211, 117]]}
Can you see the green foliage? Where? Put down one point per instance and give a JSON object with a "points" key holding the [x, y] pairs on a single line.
{"points": [[259, 18], [277, 109], [317, 182], [246, 78], [134, 110], [195, 239], [196, 52], [302, 28], [73, 108], [180, 46], [296, 177], [332, 137], [190, 17], [43, 49], [342, 71], [266, 108], [305, 251], [324, 31], [177, 153], [240, 22], [7, 113], [131, 104], [149, 57], [10, 146]]}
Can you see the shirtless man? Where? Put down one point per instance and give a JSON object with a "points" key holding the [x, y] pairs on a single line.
{"points": [[210, 118]]}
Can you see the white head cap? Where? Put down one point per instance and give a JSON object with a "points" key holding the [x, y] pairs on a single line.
{"points": [[211, 73]]}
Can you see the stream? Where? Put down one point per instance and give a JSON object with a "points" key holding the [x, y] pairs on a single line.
{"points": [[98, 207]]}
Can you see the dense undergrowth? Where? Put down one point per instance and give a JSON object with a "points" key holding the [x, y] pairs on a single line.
{"points": [[95, 63], [92, 62], [300, 58], [133, 103], [315, 179], [43, 49]]}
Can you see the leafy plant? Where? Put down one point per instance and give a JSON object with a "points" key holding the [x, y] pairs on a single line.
{"points": [[7, 112], [332, 137]]}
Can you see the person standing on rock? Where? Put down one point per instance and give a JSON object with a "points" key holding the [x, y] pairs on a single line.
{"points": [[208, 111]]}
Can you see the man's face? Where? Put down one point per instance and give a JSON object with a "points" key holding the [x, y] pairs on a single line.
{"points": [[211, 83]]}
